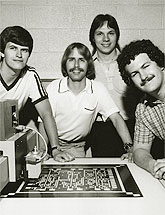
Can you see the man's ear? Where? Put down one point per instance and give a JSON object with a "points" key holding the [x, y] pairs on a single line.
{"points": [[1, 54]]}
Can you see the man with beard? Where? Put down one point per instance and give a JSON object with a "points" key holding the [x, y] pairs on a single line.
{"points": [[141, 64], [77, 99]]}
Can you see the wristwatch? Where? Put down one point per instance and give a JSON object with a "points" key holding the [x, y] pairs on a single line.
{"points": [[127, 146], [55, 147]]}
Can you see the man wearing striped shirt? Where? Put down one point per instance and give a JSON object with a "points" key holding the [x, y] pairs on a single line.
{"points": [[141, 63], [21, 82]]}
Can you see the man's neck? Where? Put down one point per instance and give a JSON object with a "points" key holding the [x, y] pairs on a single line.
{"points": [[160, 95], [107, 58], [8, 74], [76, 86]]}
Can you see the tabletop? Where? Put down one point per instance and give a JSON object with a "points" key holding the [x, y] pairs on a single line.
{"points": [[151, 202]]}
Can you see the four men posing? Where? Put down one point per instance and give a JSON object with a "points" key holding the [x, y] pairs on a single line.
{"points": [[77, 99]]}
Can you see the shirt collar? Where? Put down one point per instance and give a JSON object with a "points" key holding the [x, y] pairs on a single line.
{"points": [[95, 56], [63, 86], [151, 101]]}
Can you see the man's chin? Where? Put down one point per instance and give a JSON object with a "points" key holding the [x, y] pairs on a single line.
{"points": [[106, 52]]}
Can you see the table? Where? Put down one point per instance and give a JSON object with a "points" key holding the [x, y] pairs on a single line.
{"points": [[151, 203]]}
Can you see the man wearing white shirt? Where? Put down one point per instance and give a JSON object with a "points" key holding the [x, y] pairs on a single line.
{"points": [[104, 37], [77, 99]]}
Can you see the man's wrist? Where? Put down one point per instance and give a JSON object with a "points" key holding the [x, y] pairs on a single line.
{"points": [[127, 146], [57, 147], [151, 166]]}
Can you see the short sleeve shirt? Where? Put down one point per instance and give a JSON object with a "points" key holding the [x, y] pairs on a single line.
{"points": [[26, 85], [75, 114], [150, 121], [118, 90]]}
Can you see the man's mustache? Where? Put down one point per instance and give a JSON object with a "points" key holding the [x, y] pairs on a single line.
{"points": [[76, 68], [147, 79]]}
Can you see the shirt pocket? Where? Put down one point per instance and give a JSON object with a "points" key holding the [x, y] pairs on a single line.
{"points": [[89, 108]]}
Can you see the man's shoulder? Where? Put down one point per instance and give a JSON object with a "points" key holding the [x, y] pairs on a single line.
{"points": [[143, 106], [29, 71], [54, 84], [98, 85]]}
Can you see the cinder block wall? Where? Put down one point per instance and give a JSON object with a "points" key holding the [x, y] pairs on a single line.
{"points": [[54, 24]]}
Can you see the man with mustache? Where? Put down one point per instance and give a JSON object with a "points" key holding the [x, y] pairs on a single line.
{"points": [[77, 99], [141, 63]]}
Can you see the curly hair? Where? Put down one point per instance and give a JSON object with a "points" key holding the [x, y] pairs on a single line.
{"points": [[84, 51], [135, 48], [99, 21], [17, 35]]}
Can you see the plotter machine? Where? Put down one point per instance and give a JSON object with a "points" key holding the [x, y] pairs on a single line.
{"points": [[14, 144]]}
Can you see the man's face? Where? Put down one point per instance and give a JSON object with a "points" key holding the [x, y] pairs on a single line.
{"points": [[76, 66], [15, 56], [105, 39], [146, 74]]}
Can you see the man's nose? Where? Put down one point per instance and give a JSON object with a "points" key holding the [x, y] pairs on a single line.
{"points": [[19, 53], [143, 75], [76, 63], [106, 37]]}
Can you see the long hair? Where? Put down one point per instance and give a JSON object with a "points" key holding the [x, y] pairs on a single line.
{"points": [[84, 51], [135, 48], [99, 21], [17, 35]]}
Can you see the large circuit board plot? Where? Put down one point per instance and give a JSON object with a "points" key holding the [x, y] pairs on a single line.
{"points": [[111, 180]]}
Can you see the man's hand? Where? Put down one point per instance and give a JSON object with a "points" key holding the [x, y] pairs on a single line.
{"points": [[62, 156], [159, 169], [128, 155]]}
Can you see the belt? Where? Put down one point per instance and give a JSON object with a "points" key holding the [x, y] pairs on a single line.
{"points": [[69, 144]]}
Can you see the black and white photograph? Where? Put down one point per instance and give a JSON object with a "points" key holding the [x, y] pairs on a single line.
{"points": [[82, 107]]}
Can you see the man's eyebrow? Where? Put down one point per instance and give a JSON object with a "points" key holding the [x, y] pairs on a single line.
{"points": [[140, 67], [22, 47], [25, 47], [145, 63], [12, 45], [109, 30]]}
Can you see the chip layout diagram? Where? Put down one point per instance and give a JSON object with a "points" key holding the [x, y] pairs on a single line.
{"points": [[104, 180]]}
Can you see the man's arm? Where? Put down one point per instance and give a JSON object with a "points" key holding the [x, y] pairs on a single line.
{"points": [[57, 154], [46, 115], [143, 158], [121, 127], [143, 138], [123, 132], [48, 130]]}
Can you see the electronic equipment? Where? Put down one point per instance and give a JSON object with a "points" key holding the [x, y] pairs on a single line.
{"points": [[4, 173], [17, 141], [8, 118], [16, 148]]}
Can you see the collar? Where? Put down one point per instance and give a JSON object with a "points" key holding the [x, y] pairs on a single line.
{"points": [[9, 87], [63, 86], [95, 56], [151, 101]]}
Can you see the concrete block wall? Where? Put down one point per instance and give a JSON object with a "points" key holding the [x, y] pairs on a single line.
{"points": [[54, 24]]}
